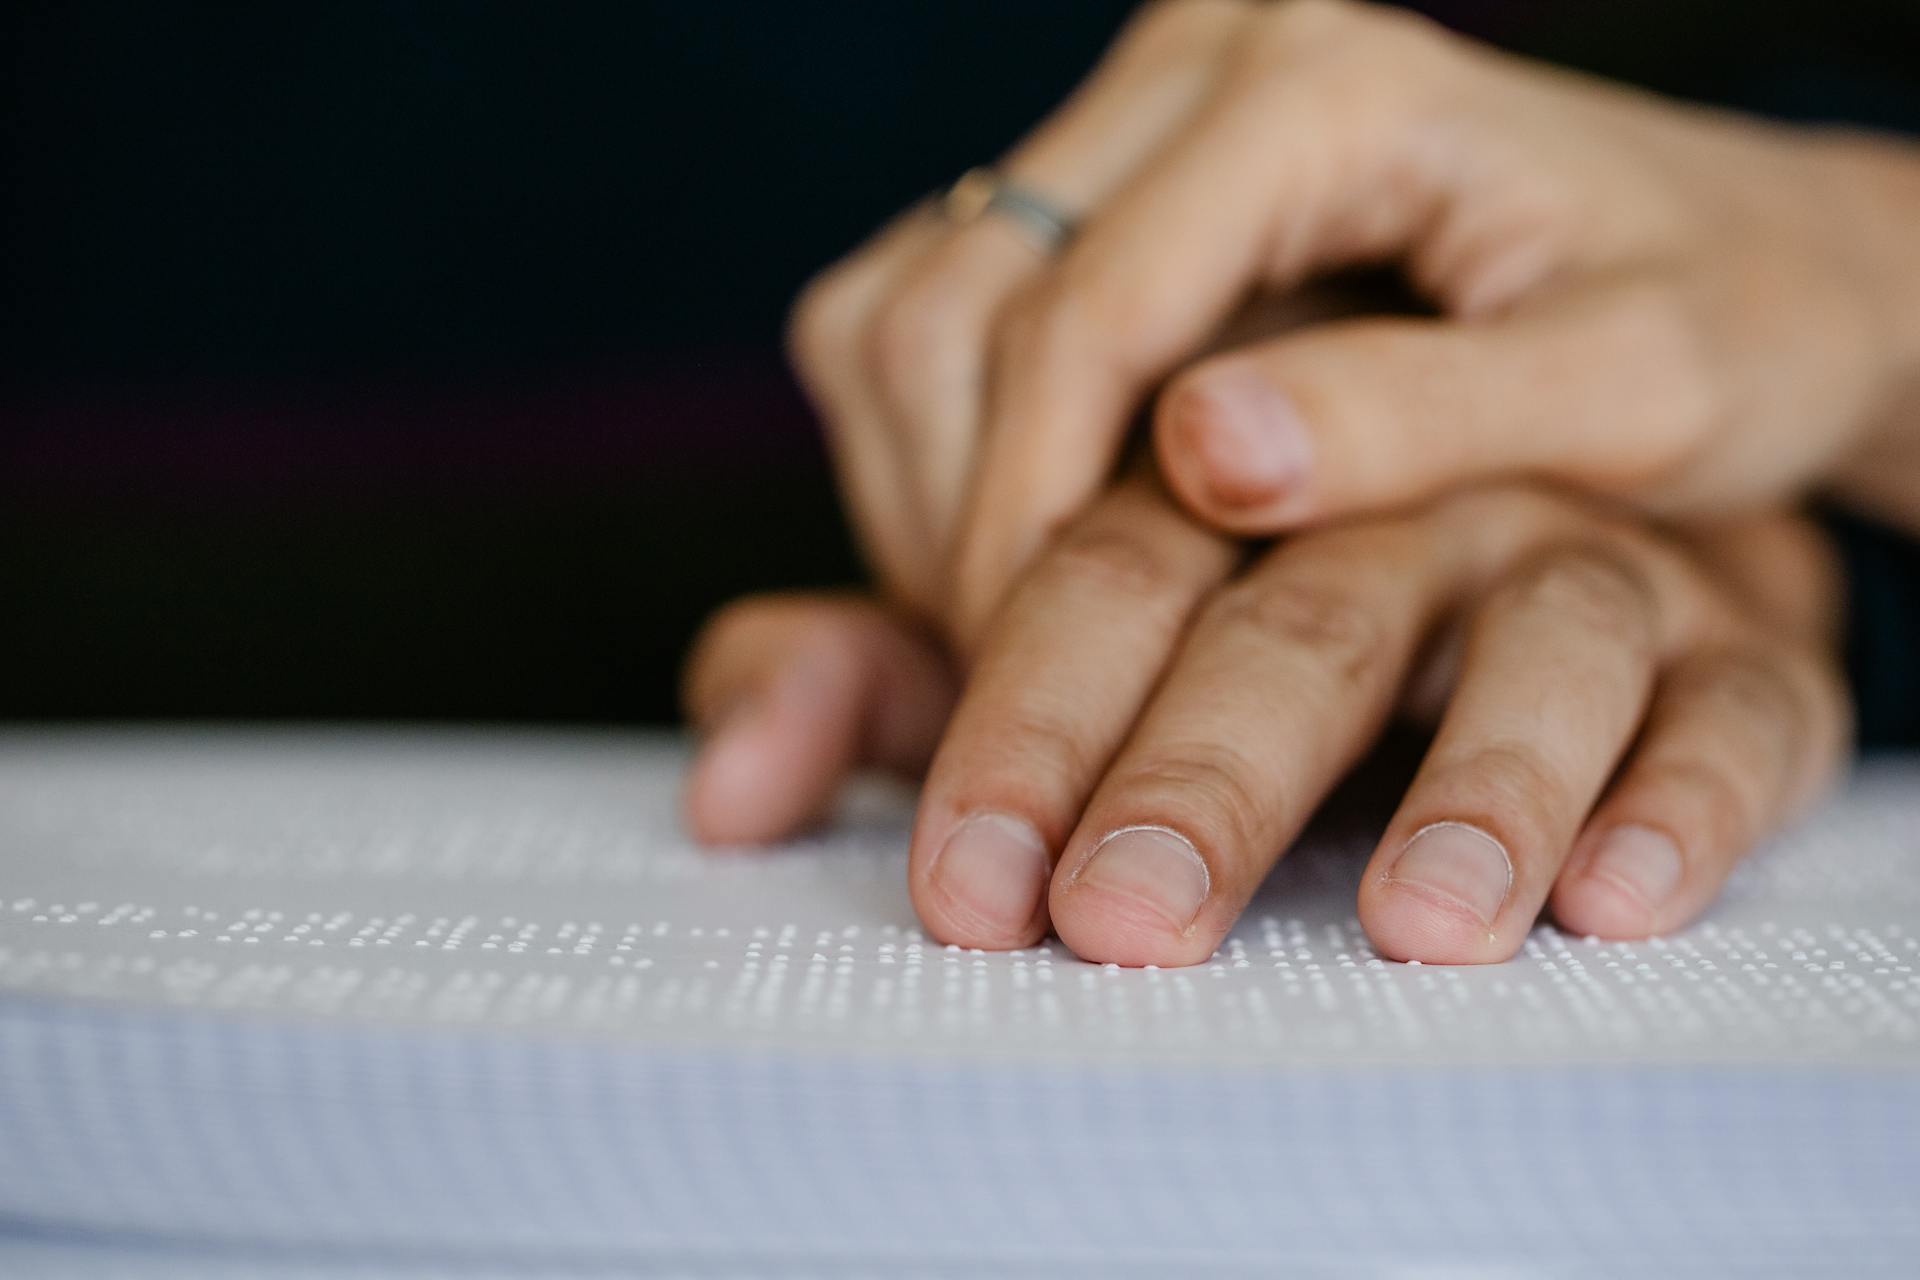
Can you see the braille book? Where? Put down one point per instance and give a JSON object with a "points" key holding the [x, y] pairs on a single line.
{"points": [[362, 1002]]}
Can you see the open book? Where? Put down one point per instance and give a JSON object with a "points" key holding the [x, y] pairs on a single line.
{"points": [[385, 1000]]}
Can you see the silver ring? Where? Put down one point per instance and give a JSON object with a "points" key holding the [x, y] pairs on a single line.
{"points": [[978, 192]]}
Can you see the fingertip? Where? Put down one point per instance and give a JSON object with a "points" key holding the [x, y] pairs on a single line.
{"points": [[1407, 922], [951, 924], [775, 761], [1234, 449], [738, 790], [985, 885], [1594, 906], [1440, 899], [1624, 887], [1104, 927], [1137, 899]]}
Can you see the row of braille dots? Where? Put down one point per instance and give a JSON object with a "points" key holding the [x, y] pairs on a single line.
{"points": [[445, 933], [631, 938], [313, 929], [961, 963], [970, 981], [1727, 995], [763, 976], [1289, 945], [257, 924], [1872, 949], [1779, 986], [1607, 986], [1307, 967], [1719, 997], [1618, 962], [464, 996], [1346, 961], [1868, 949], [1563, 959], [62, 913], [968, 973], [1874, 1009], [829, 976], [1586, 976]]}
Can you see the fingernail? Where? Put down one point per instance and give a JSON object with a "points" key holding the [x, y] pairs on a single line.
{"points": [[1252, 443], [995, 867], [1460, 863], [1643, 862], [1153, 866]]}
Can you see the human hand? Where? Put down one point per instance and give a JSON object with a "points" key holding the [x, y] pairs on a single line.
{"points": [[1149, 726], [1691, 310]]}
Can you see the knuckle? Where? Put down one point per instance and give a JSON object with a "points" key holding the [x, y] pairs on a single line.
{"points": [[1757, 690], [1407, 32], [1169, 28], [1786, 714], [914, 332], [1331, 624], [1379, 43], [1086, 317], [1586, 585], [735, 621], [722, 640], [824, 321], [1035, 747], [1712, 803], [1049, 321], [1661, 330], [1303, 17], [1518, 790], [1212, 788], [825, 626], [1118, 562]]}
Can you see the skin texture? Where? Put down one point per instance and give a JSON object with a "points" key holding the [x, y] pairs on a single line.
{"points": [[1153, 718], [1694, 312]]}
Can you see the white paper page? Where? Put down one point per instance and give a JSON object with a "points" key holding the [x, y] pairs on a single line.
{"points": [[541, 884], [365, 1003]]}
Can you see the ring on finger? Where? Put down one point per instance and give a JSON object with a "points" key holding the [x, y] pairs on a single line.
{"points": [[981, 191]]}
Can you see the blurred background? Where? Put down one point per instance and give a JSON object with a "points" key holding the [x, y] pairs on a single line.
{"points": [[423, 360]]}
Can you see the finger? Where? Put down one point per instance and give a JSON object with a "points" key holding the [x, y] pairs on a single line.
{"points": [[1287, 676], [1374, 413], [1066, 668], [825, 343], [926, 353], [1295, 162], [1159, 68], [1785, 570], [794, 693], [1559, 664], [1737, 741]]}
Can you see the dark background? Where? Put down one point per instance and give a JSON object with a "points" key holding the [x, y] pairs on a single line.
{"points": [[407, 359]]}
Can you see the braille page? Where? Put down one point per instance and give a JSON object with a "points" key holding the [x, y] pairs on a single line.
{"points": [[368, 1003], [542, 885]]}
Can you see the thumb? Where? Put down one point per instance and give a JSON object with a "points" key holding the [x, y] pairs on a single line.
{"points": [[1598, 390]]}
